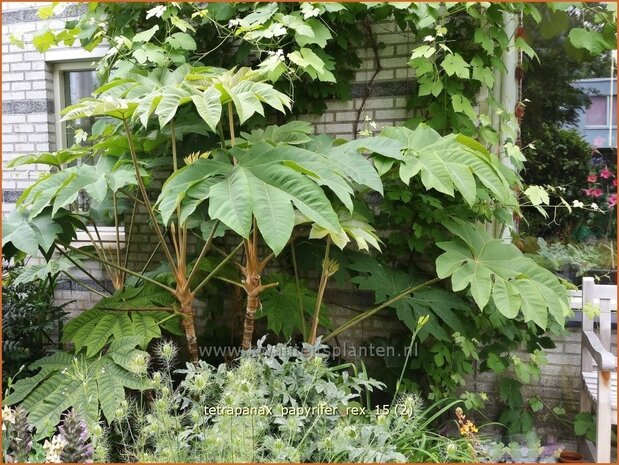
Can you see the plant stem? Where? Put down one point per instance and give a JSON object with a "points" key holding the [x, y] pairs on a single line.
{"points": [[231, 125], [128, 239], [150, 258], [321, 292], [298, 286], [230, 281], [122, 268], [205, 249], [368, 313], [147, 203], [212, 274], [81, 268], [100, 253], [116, 227], [77, 281]]}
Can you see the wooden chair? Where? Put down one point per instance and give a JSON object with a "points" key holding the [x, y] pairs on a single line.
{"points": [[599, 367]]}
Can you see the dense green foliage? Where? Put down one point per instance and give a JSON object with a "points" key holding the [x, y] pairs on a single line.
{"points": [[30, 320], [280, 378], [570, 175], [181, 77]]}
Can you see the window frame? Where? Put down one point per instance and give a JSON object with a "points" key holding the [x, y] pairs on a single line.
{"points": [[60, 66], [610, 110], [59, 95]]}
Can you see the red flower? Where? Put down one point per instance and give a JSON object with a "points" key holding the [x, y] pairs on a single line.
{"points": [[612, 200], [597, 192], [592, 178], [606, 173], [615, 182]]}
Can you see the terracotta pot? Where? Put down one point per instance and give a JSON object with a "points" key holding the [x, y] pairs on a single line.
{"points": [[568, 456]]}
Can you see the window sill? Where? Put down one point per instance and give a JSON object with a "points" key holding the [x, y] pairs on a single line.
{"points": [[106, 233]]}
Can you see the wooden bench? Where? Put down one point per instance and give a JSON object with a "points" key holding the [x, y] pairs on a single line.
{"points": [[598, 364]]}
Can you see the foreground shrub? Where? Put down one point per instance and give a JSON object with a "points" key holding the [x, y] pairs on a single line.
{"points": [[279, 404], [29, 320]]}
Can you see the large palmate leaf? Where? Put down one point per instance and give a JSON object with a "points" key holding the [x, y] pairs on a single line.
{"points": [[61, 189], [107, 321], [448, 164], [40, 233], [354, 226], [293, 133], [268, 183], [490, 268], [88, 385], [57, 159], [40, 271], [89, 107], [442, 306], [280, 306], [162, 92]]}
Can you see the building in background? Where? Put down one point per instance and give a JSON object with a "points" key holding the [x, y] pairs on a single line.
{"points": [[598, 123]]}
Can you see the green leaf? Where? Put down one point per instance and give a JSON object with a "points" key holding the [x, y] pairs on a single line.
{"points": [[171, 98], [490, 267], [280, 306], [536, 404], [273, 211], [320, 34], [182, 40], [145, 327], [591, 40], [110, 391], [584, 425], [481, 37], [312, 64], [496, 363], [230, 202], [16, 230], [208, 105], [100, 334], [146, 35], [57, 159], [42, 42], [525, 47], [52, 267], [180, 183], [509, 389], [461, 104], [506, 298], [537, 195], [354, 226], [559, 411], [454, 64], [15, 41]]}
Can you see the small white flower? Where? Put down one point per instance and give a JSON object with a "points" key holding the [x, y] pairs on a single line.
{"points": [[373, 124], [80, 136], [594, 206], [428, 39], [156, 11], [578, 204], [309, 10], [234, 22], [8, 416], [279, 30]]}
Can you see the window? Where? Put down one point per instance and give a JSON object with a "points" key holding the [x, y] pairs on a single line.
{"points": [[602, 111], [72, 82], [596, 113]]}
